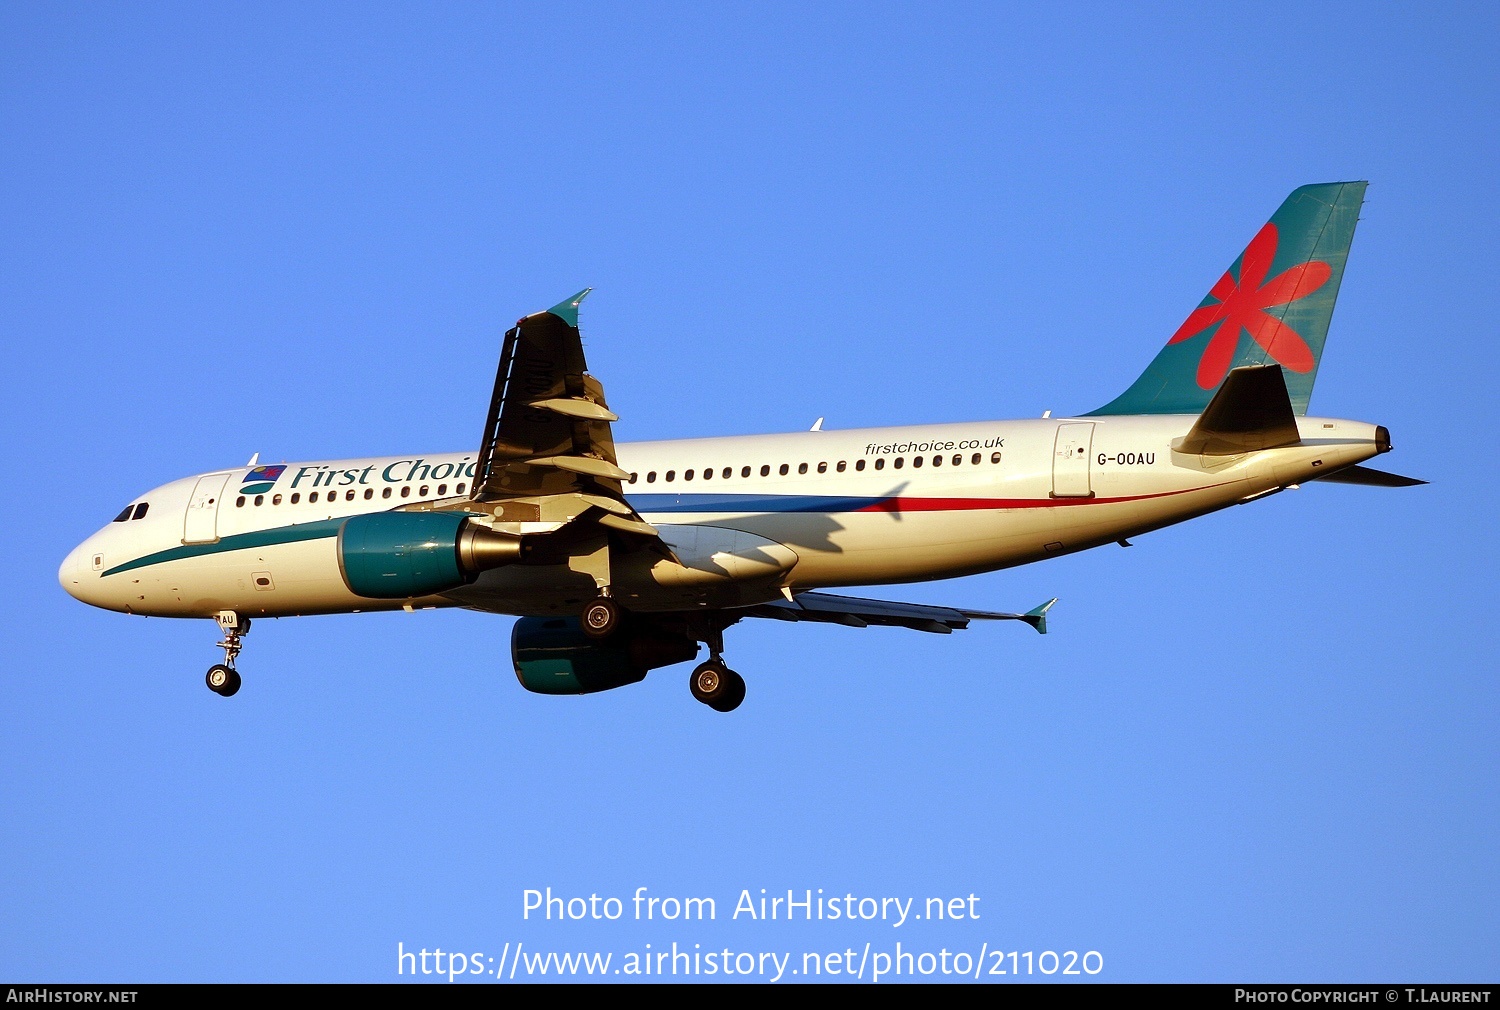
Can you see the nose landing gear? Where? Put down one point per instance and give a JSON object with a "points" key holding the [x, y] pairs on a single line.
{"points": [[222, 678]]}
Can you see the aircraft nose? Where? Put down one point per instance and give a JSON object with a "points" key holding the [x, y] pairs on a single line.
{"points": [[74, 573]]}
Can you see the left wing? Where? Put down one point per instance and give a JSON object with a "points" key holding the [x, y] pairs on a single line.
{"points": [[548, 452], [825, 608]]}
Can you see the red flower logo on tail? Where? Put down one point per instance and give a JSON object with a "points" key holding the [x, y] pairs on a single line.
{"points": [[1242, 305]]}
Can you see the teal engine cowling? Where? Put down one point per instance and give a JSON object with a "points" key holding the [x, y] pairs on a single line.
{"points": [[403, 555], [553, 656]]}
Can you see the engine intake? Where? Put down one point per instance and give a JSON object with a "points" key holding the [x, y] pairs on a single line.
{"points": [[403, 555], [553, 656]]}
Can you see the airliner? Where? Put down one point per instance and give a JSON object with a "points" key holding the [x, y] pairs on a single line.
{"points": [[619, 560]]}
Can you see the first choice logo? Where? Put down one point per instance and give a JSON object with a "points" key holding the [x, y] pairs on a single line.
{"points": [[1127, 458], [261, 479]]}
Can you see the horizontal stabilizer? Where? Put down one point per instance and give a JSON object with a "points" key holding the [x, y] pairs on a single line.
{"points": [[826, 608], [1368, 476], [1250, 411]]}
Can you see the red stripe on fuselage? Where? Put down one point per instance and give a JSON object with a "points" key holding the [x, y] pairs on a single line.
{"points": [[975, 504]]}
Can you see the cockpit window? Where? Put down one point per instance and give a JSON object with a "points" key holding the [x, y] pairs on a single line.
{"points": [[140, 510], [124, 515]]}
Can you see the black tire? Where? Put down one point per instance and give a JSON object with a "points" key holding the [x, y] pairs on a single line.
{"points": [[734, 693], [222, 680], [601, 618], [717, 686], [707, 681]]}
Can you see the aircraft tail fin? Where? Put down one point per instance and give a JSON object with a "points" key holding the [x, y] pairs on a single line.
{"points": [[1273, 304]]}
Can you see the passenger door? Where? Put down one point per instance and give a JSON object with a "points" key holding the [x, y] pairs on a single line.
{"points": [[1070, 461], [201, 524]]}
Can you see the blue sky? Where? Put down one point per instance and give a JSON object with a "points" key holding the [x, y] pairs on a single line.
{"points": [[1256, 747]]}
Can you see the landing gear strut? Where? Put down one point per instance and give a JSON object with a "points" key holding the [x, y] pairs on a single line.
{"points": [[222, 678], [714, 683]]}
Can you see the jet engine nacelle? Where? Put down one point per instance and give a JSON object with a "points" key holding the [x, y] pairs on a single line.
{"points": [[553, 656], [403, 555]]}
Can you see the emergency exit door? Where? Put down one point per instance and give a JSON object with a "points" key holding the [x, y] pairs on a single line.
{"points": [[1070, 461], [201, 525]]}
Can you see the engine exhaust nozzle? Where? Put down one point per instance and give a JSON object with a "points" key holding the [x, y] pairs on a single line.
{"points": [[481, 548]]}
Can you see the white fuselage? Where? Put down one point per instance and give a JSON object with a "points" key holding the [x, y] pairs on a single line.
{"points": [[747, 516]]}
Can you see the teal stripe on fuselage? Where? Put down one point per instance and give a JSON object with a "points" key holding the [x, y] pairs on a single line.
{"points": [[319, 530]]}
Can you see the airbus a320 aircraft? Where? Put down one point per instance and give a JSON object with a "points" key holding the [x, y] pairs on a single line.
{"points": [[622, 559]]}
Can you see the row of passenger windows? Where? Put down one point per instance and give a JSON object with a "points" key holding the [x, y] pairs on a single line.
{"points": [[139, 510], [332, 496], [707, 473]]}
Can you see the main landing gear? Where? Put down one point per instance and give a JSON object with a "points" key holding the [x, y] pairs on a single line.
{"points": [[222, 678], [714, 683], [602, 618], [717, 686]]}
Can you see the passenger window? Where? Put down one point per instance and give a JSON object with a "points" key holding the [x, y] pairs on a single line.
{"points": [[276, 500], [728, 472], [802, 468], [421, 493], [632, 479], [784, 469], [296, 497], [957, 459], [744, 471], [765, 471], [405, 491], [385, 492], [239, 503], [840, 467], [822, 468], [651, 477], [937, 461], [900, 462], [349, 494], [369, 493], [915, 461], [880, 463], [259, 499], [460, 488], [687, 475], [994, 457], [312, 498], [859, 464], [671, 475], [442, 490], [975, 460], [708, 473]]}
